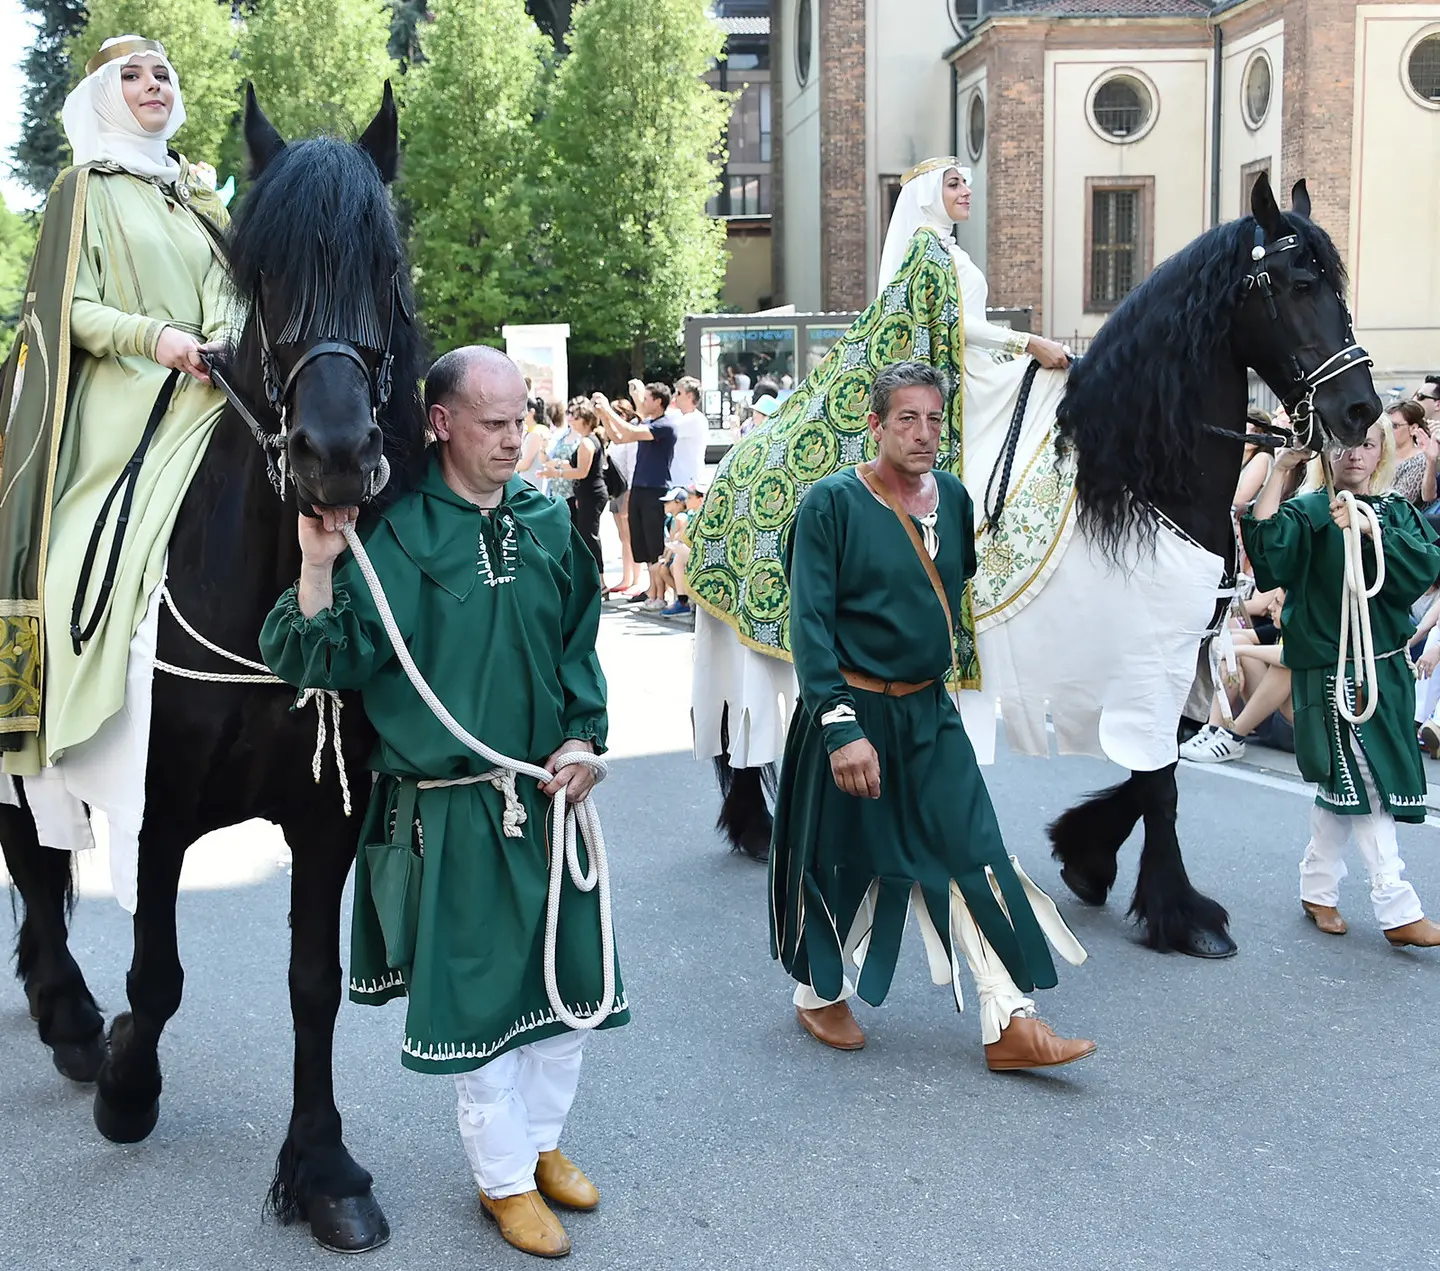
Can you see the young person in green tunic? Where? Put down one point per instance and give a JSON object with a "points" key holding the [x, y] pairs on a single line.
{"points": [[881, 805], [498, 600], [1370, 775]]}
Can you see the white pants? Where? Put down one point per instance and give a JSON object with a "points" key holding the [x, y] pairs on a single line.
{"points": [[1000, 997], [514, 1108], [1323, 866]]}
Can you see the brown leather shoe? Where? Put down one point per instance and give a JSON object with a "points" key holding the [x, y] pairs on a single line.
{"points": [[1028, 1042], [561, 1182], [1326, 917], [834, 1025], [1422, 933], [526, 1222]]}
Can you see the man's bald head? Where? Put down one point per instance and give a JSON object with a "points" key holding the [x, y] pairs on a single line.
{"points": [[475, 398], [471, 371]]}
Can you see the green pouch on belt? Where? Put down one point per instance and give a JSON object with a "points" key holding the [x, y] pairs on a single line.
{"points": [[395, 881]]}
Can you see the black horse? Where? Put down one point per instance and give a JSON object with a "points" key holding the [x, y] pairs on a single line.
{"points": [[1153, 414], [316, 254]]}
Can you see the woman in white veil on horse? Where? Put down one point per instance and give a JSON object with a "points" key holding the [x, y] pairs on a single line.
{"points": [[930, 305]]}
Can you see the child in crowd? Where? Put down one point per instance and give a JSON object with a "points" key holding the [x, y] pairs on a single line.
{"points": [[673, 575], [1368, 775]]}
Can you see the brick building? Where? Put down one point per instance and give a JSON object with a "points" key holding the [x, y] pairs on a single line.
{"points": [[1105, 134]]}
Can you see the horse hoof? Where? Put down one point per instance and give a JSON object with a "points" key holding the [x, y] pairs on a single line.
{"points": [[347, 1224], [1085, 891], [756, 849], [1201, 942], [80, 1061], [124, 1127]]}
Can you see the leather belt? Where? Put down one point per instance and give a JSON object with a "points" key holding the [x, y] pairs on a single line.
{"points": [[887, 688]]}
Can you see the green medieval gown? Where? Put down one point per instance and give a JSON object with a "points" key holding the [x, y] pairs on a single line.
{"points": [[1300, 549], [500, 610], [860, 600]]}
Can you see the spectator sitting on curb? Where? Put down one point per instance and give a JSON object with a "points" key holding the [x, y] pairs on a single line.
{"points": [[676, 524], [1263, 686]]}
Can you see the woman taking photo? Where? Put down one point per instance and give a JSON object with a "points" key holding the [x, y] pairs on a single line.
{"points": [[576, 472], [1415, 454], [127, 291]]}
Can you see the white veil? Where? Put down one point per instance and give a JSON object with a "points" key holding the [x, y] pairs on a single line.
{"points": [[101, 127], [921, 204]]}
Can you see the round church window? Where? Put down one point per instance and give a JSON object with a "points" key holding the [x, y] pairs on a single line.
{"points": [[1122, 108], [975, 126], [1423, 69], [804, 41], [1258, 84]]}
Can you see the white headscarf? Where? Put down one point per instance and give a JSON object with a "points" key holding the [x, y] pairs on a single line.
{"points": [[921, 205], [102, 128]]}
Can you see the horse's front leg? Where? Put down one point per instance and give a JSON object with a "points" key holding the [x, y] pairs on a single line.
{"points": [[316, 1178], [127, 1093], [60, 1003], [1173, 916]]}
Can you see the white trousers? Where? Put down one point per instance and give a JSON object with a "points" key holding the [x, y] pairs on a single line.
{"points": [[1323, 866], [1000, 997], [514, 1108]]}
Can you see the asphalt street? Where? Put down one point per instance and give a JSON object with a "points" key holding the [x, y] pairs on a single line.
{"points": [[1278, 1110]]}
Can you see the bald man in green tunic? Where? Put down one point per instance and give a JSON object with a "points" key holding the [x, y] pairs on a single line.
{"points": [[498, 600], [881, 807]]}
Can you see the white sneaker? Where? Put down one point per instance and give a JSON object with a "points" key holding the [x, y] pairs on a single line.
{"points": [[653, 606], [1213, 744]]}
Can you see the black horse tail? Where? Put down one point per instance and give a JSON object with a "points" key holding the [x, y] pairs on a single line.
{"points": [[745, 795]]}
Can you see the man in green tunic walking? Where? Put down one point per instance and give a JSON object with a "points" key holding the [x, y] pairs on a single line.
{"points": [[498, 600], [881, 806], [1367, 775]]}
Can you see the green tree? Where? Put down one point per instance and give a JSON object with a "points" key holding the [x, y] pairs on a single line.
{"points": [[41, 151], [471, 163], [407, 17], [199, 39], [637, 140], [318, 65], [17, 244]]}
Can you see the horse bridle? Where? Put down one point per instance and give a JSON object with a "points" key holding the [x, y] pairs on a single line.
{"points": [[1299, 401], [278, 392]]}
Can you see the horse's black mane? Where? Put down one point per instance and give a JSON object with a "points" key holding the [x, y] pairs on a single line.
{"points": [[1135, 405], [317, 226]]}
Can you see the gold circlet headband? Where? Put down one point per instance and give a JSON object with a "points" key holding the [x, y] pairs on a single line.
{"points": [[930, 165], [126, 48]]}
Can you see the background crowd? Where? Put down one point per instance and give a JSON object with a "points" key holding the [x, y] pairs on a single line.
{"points": [[1252, 702]]}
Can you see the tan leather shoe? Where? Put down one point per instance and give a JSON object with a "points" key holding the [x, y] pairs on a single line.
{"points": [[834, 1025], [561, 1182], [1326, 917], [1422, 933], [526, 1222], [1028, 1042]]}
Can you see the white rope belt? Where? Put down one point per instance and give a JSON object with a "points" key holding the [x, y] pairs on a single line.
{"points": [[259, 673], [568, 823]]}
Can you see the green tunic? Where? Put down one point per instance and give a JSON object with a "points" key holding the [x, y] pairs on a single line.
{"points": [[120, 259], [500, 611], [860, 600], [1300, 549]]}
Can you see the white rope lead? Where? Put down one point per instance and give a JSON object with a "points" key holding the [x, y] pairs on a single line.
{"points": [[1355, 599], [568, 824]]}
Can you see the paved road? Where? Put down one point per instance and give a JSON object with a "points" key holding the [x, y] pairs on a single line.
{"points": [[1275, 1111]]}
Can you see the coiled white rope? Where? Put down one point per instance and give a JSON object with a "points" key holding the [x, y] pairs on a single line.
{"points": [[1355, 599], [259, 673], [568, 823]]}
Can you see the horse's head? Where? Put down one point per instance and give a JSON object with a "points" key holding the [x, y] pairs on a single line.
{"points": [[317, 256], [1294, 325]]}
